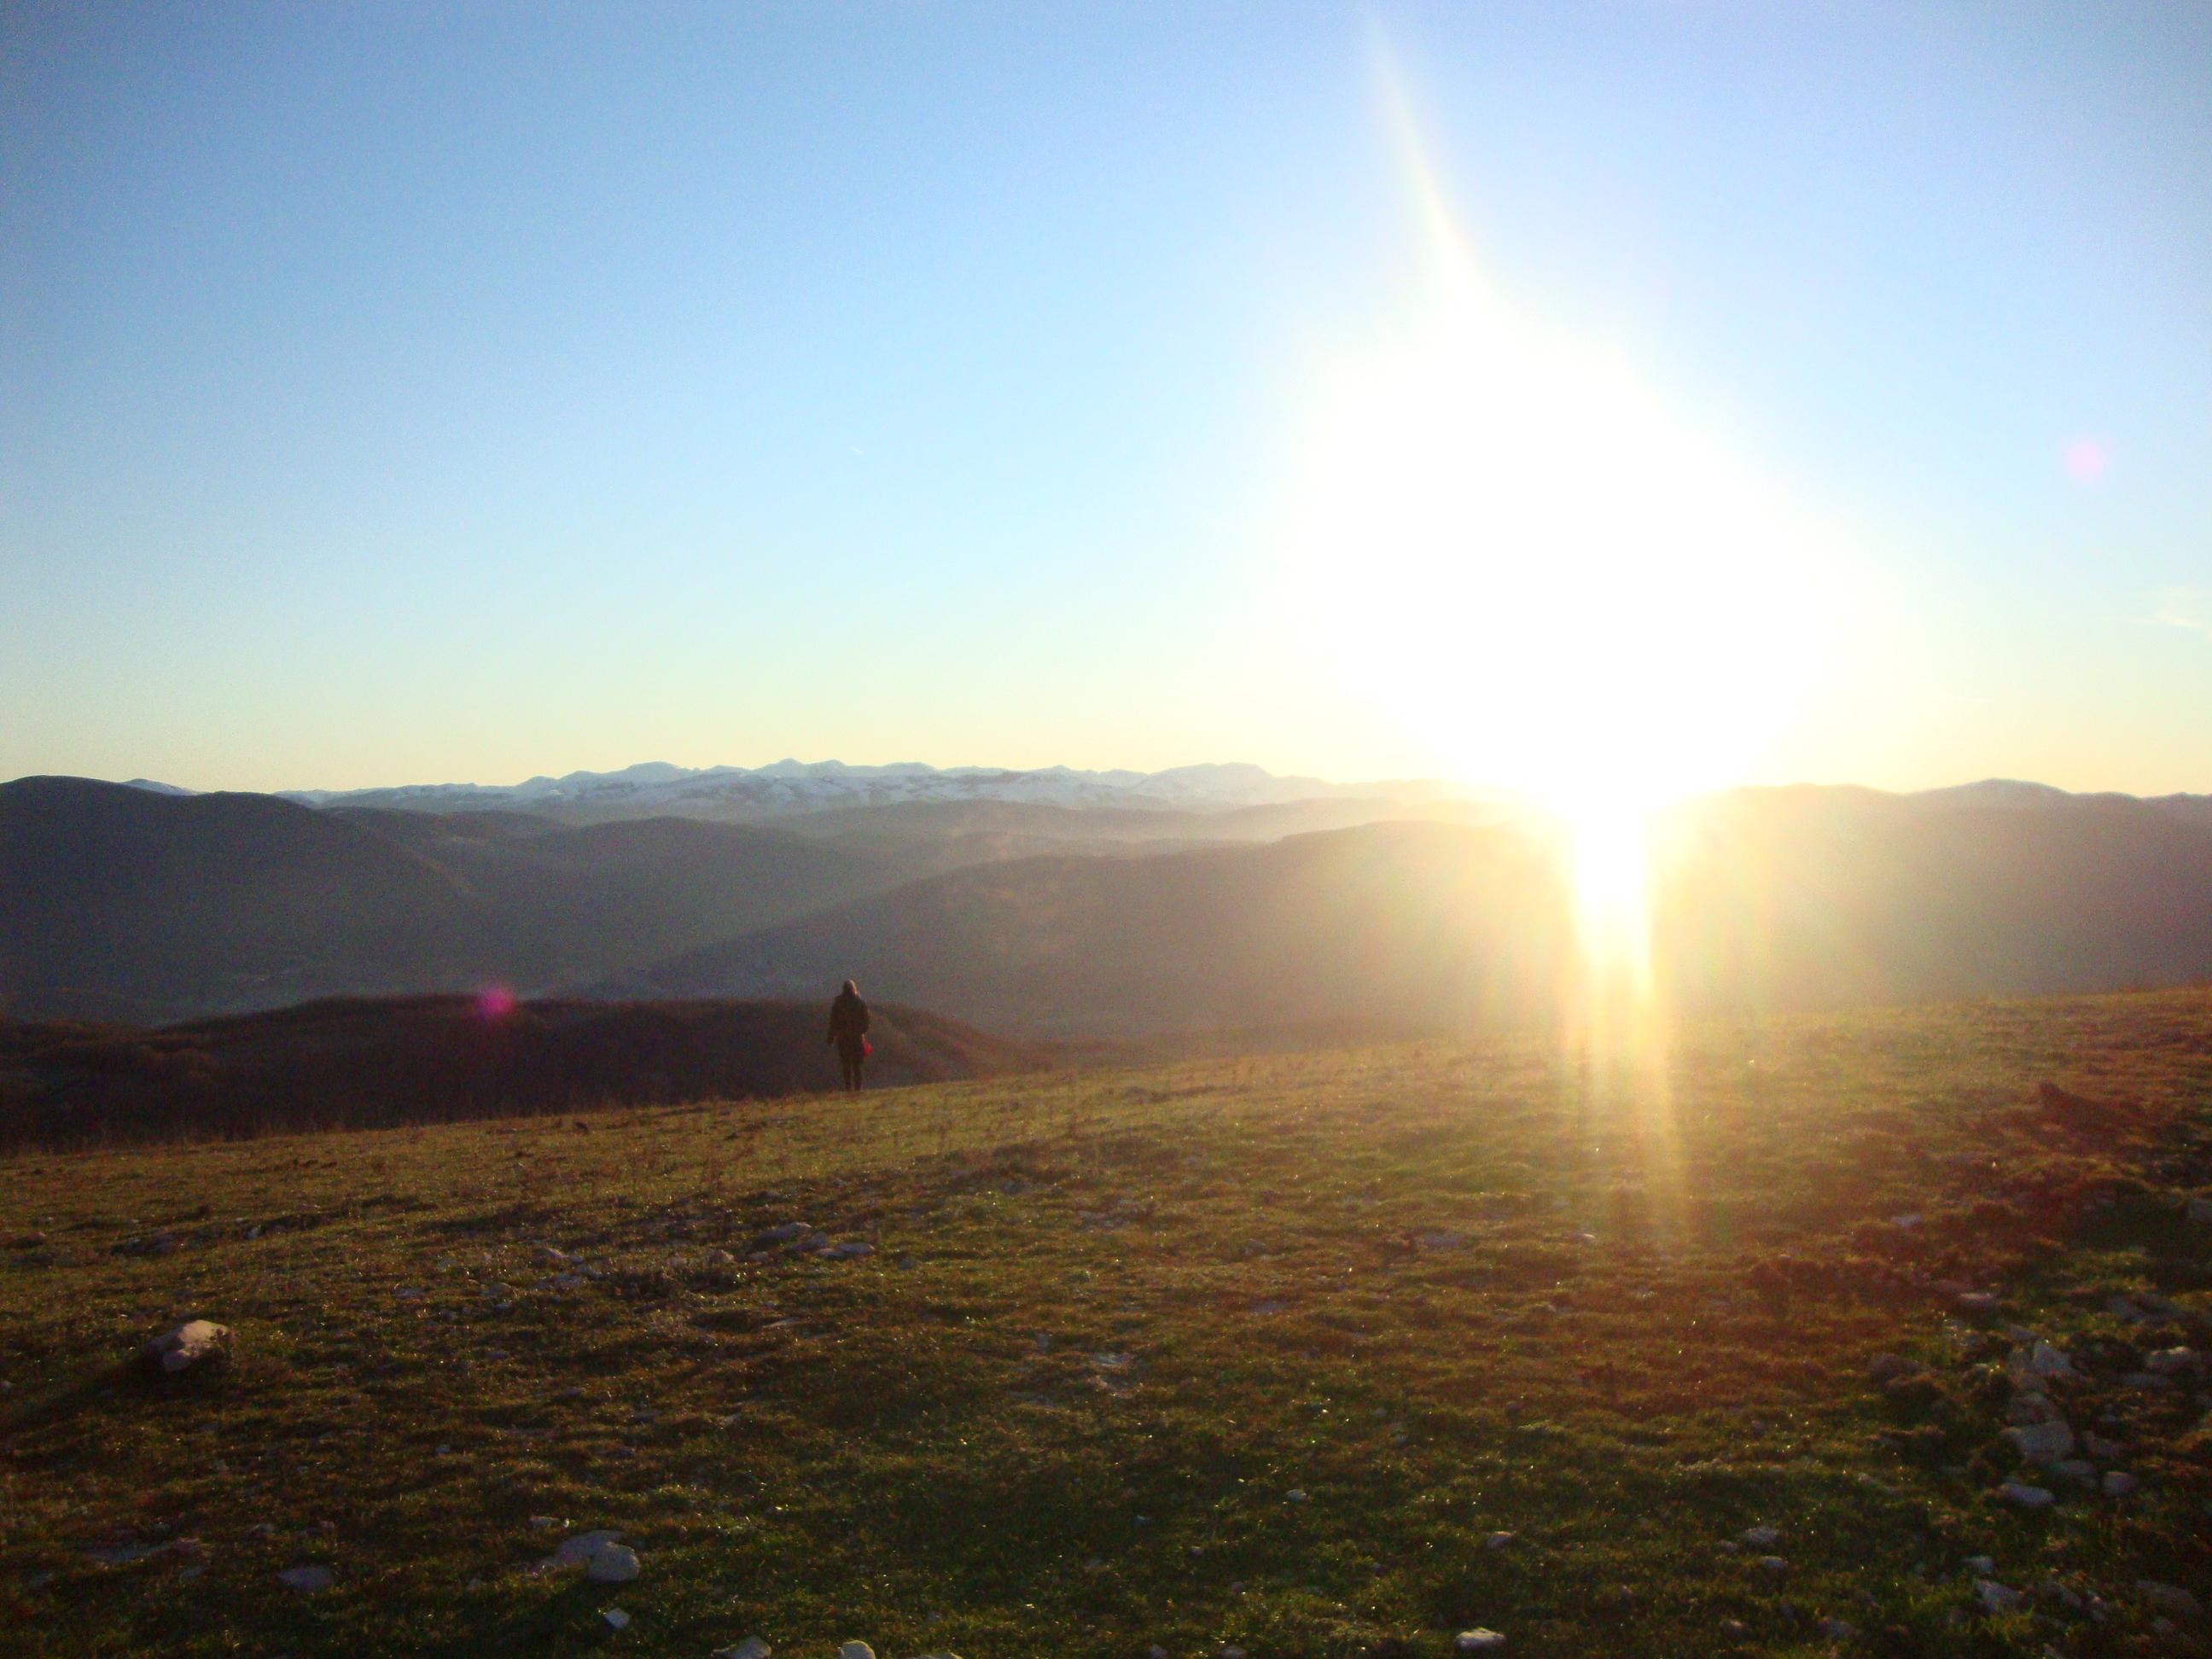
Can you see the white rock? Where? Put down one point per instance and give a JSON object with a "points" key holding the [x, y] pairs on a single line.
{"points": [[1995, 1597], [615, 1619], [1773, 1564], [1499, 1541], [306, 1580], [752, 1648], [2039, 1358], [2026, 1496], [1295, 1495], [578, 1552], [1480, 1639], [1762, 1537], [613, 1564], [195, 1342], [855, 1651], [2042, 1443], [2171, 1362], [2169, 1598]]}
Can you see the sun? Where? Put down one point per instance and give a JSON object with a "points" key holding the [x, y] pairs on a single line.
{"points": [[1551, 580]]}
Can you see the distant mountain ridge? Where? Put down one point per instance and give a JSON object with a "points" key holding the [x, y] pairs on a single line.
{"points": [[1038, 919], [119, 904], [744, 795]]}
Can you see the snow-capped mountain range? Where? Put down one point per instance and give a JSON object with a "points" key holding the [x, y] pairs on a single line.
{"points": [[738, 793]]}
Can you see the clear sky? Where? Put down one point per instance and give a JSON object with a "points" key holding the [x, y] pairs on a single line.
{"points": [[395, 394]]}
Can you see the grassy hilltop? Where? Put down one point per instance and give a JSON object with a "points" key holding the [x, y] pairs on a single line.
{"points": [[1334, 1354]]}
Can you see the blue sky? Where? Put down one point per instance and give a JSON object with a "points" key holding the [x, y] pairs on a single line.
{"points": [[400, 393]]}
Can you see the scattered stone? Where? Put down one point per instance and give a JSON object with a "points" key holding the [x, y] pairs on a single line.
{"points": [[1734, 1629], [615, 1619], [1499, 1541], [2169, 1598], [1996, 1598], [1978, 1302], [1762, 1537], [855, 1651], [1295, 1495], [612, 1564], [2171, 1362], [196, 1345], [1981, 1565], [2042, 1443], [848, 1250], [2076, 1472], [2039, 1359], [2200, 1212], [752, 1648], [1480, 1639], [783, 1233], [2118, 1483], [1440, 1241], [1886, 1368], [2026, 1496], [1773, 1563], [2105, 1450], [1839, 1630], [161, 1244], [545, 1522], [306, 1580], [2147, 1383]]}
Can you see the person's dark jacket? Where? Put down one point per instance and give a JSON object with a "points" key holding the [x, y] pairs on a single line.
{"points": [[848, 1020]]}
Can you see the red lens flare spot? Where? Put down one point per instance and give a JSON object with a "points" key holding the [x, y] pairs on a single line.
{"points": [[495, 1002]]}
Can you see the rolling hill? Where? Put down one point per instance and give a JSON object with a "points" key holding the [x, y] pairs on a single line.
{"points": [[1398, 922], [126, 905], [1763, 898], [377, 1062]]}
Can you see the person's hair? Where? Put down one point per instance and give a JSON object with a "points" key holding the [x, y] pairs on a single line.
{"points": [[851, 989]]}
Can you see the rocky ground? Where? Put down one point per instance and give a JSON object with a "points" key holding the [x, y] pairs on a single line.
{"points": [[1877, 1333]]}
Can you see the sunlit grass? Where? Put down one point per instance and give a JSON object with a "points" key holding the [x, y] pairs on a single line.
{"points": [[1443, 1290]]}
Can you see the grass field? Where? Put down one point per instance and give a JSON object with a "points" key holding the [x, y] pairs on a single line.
{"points": [[1319, 1354]]}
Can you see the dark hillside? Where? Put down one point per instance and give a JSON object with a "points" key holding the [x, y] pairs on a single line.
{"points": [[1793, 898], [121, 903], [373, 1063], [1798, 898], [573, 901], [1405, 923]]}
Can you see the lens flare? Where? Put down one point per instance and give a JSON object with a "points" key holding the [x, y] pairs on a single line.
{"points": [[1556, 584]]}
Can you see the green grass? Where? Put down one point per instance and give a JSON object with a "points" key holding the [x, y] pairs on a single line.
{"points": [[1111, 1323]]}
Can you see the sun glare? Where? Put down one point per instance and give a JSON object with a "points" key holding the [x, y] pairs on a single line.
{"points": [[1553, 582]]}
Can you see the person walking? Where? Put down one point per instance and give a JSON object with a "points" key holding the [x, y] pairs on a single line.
{"points": [[848, 1030]]}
